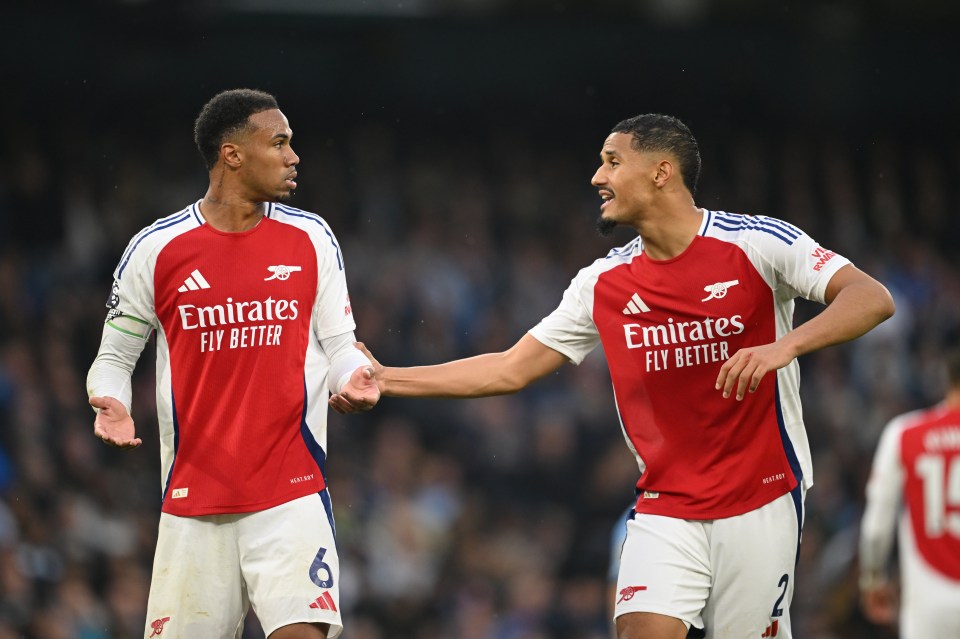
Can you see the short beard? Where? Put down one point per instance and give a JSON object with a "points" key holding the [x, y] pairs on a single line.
{"points": [[604, 226]]}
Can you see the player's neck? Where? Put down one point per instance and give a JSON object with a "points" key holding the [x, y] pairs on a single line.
{"points": [[952, 399], [670, 231], [230, 213]]}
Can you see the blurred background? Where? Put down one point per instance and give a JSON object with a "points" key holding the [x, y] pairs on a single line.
{"points": [[450, 144]]}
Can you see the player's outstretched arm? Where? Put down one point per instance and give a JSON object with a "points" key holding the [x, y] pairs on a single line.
{"points": [[855, 304], [479, 376], [113, 424]]}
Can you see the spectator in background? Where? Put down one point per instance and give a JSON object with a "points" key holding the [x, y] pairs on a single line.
{"points": [[916, 480]]}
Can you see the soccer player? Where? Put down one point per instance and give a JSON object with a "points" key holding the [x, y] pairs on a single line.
{"points": [[917, 465], [249, 303], [695, 319]]}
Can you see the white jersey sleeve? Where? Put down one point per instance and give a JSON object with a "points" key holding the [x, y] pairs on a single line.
{"points": [[344, 359], [884, 496], [131, 304], [111, 371], [131, 315], [570, 329], [332, 313], [791, 262]]}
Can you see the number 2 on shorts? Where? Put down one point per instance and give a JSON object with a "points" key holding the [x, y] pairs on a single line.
{"points": [[777, 610]]}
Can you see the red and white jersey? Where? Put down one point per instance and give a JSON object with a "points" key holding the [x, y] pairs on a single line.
{"points": [[917, 465], [667, 327], [241, 376]]}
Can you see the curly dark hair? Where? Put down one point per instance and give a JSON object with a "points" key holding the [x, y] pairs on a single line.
{"points": [[655, 132], [225, 114]]}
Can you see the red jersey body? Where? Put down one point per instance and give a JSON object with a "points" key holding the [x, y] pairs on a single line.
{"points": [[930, 457], [241, 377], [667, 327]]}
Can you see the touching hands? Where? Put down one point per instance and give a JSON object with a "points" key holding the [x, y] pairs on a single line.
{"points": [[362, 391], [113, 424]]}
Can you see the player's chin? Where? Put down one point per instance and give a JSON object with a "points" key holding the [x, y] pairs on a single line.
{"points": [[605, 225]]}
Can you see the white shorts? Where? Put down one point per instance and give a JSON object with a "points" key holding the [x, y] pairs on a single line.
{"points": [[209, 570], [732, 577], [930, 602]]}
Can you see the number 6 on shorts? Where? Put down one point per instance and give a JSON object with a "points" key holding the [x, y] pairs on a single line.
{"points": [[319, 566]]}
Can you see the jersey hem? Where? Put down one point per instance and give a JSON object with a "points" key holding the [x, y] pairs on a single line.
{"points": [[200, 511], [827, 273], [680, 512], [557, 346]]}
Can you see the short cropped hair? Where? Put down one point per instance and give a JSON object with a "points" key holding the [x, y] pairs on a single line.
{"points": [[225, 114], [655, 132]]}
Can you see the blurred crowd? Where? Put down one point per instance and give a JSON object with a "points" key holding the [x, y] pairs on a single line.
{"points": [[480, 519]]}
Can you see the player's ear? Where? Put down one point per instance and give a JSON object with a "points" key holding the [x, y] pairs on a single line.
{"points": [[664, 173], [231, 154]]}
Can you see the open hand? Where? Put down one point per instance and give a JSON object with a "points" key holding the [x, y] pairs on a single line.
{"points": [[113, 424]]}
